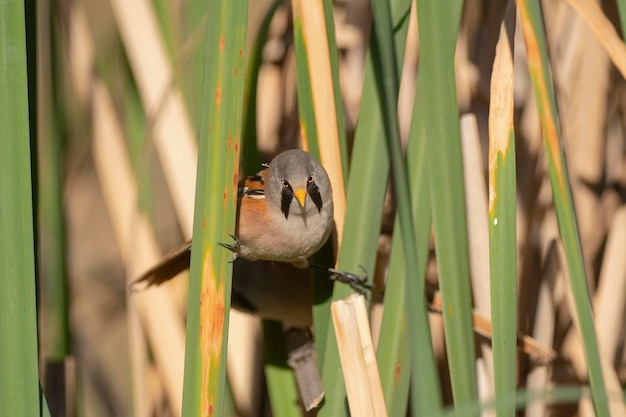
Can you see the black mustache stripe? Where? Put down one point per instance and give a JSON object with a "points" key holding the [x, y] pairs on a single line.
{"points": [[314, 193], [285, 200], [287, 197]]}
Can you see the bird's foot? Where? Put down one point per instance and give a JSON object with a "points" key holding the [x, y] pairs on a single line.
{"points": [[233, 247], [357, 282]]}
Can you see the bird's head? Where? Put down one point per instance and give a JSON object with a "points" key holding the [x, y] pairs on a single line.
{"points": [[298, 183]]}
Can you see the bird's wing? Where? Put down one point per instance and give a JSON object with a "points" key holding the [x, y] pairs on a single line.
{"points": [[180, 258], [168, 267], [253, 185]]}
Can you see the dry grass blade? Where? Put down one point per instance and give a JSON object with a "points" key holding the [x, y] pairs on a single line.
{"points": [[582, 62], [156, 312], [482, 326], [244, 362], [311, 14], [609, 300], [81, 54], [604, 31], [477, 219], [153, 73], [137, 244], [574, 351], [610, 306], [358, 358], [539, 378], [478, 235]]}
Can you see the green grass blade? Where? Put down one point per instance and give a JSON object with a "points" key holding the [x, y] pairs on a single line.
{"points": [[502, 223], [135, 125], [334, 72], [365, 195], [54, 326], [281, 386], [621, 7], [538, 65], [44, 410], [194, 17], [52, 244], [214, 213], [367, 183], [393, 353], [251, 160], [438, 28], [419, 339], [166, 13], [555, 396], [19, 384]]}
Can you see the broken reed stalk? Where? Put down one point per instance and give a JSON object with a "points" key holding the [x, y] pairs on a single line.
{"points": [[358, 357]]}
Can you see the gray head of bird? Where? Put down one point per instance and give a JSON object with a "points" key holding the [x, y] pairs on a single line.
{"points": [[298, 183]]}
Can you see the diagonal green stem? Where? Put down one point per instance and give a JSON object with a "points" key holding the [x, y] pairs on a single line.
{"points": [[531, 19]]}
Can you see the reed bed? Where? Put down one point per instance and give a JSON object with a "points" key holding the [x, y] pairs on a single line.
{"points": [[477, 154]]}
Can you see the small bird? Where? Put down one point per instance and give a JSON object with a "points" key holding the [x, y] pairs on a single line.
{"points": [[284, 214]]}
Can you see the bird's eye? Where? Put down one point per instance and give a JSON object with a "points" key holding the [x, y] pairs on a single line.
{"points": [[284, 183], [311, 179]]}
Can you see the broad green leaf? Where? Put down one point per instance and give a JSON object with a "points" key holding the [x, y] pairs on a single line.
{"points": [[215, 208]]}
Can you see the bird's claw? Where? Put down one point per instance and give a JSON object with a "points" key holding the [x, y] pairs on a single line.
{"points": [[233, 247], [357, 282]]}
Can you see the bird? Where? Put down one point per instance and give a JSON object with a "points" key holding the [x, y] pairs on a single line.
{"points": [[285, 212], [284, 215]]}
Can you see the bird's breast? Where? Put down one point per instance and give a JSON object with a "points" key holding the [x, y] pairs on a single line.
{"points": [[268, 235]]}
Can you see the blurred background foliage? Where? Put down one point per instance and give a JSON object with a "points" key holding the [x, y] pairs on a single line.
{"points": [[118, 104]]}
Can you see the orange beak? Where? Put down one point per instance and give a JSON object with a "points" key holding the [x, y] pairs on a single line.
{"points": [[300, 196]]}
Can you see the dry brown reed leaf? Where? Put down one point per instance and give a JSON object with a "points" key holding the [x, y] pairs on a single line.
{"points": [[269, 108], [478, 239], [81, 54], [137, 244], [609, 300], [358, 357], [482, 326], [408, 78], [81, 60], [476, 209], [311, 14], [174, 136], [604, 31], [581, 72], [573, 350], [245, 367], [538, 379]]}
